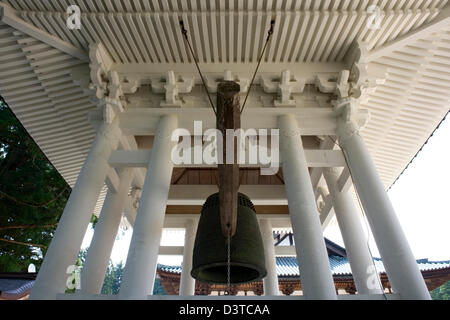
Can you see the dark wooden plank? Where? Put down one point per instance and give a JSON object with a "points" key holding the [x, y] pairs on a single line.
{"points": [[252, 176], [228, 117], [194, 176], [177, 174], [205, 176]]}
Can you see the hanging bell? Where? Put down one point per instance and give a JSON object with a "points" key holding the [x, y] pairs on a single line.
{"points": [[210, 257]]}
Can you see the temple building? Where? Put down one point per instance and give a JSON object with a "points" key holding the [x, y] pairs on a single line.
{"points": [[435, 273], [347, 92]]}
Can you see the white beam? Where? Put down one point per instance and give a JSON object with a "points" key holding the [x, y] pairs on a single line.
{"points": [[112, 180], [439, 23], [140, 158], [171, 250], [344, 182], [196, 194], [279, 221], [327, 213], [307, 71], [285, 251], [10, 16], [312, 121], [316, 173]]}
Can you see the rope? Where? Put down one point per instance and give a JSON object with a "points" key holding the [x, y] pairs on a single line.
{"points": [[185, 34], [228, 265], [270, 32]]}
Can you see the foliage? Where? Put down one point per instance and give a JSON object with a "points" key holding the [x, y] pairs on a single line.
{"points": [[113, 278], [441, 293], [32, 197]]}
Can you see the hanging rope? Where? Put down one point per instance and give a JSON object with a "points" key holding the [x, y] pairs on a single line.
{"points": [[185, 34], [228, 265], [270, 32]]}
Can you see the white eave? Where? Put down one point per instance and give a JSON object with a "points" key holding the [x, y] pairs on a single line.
{"points": [[38, 53]]}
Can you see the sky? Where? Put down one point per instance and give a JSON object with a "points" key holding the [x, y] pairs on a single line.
{"points": [[419, 198]]}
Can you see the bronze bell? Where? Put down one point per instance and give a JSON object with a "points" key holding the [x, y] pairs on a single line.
{"points": [[210, 257]]}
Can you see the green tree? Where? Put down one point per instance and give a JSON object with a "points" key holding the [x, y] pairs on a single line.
{"points": [[32, 197], [441, 293], [113, 278]]}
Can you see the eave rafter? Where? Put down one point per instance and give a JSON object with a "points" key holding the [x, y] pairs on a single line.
{"points": [[440, 22], [12, 18]]}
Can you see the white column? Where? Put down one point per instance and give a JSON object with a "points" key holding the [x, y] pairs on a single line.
{"points": [[270, 282], [99, 252], [315, 272], [366, 279], [398, 259], [64, 248], [140, 268], [187, 283]]}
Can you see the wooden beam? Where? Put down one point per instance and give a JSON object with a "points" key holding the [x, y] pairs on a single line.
{"points": [[228, 116], [11, 17]]}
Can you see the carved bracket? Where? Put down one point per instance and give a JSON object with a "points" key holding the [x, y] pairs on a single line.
{"points": [[339, 86], [364, 77], [358, 81], [100, 65], [110, 88], [172, 86], [285, 87]]}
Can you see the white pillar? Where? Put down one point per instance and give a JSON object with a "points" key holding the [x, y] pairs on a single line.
{"points": [[270, 282], [315, 272], [398, 259], [140, 268], [64, 248], [187, 283], [99, 252], [366, 279]]}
